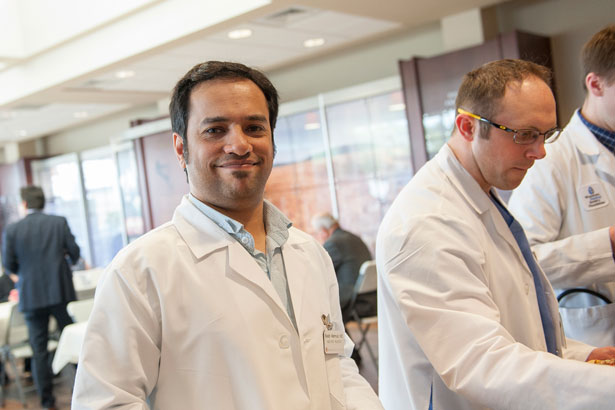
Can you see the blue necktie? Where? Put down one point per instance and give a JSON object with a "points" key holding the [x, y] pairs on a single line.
{"points": [[545, 313]]}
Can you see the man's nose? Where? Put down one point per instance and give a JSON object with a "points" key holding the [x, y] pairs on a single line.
{"points": [[237, 142], [537, 149]]}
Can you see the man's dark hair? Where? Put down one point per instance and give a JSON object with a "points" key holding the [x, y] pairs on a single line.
{"points": [[482, 89], [179, 107], [33, 196], [598, 55]]}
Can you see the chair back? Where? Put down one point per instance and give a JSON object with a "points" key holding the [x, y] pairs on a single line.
{"points": [[80, 310], [85, 282], [368, 278], [367, 281], [16, 328]]}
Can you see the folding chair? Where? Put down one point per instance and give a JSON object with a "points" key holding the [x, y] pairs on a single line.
{"points": [[367, 282], [16, 345], [79, 310]]}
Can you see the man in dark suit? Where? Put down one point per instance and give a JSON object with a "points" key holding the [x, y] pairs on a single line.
{"points": [[35, 249], [348, 252]]}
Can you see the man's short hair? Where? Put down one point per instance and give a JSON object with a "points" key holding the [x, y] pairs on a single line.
{"points": [[33, 196], [323, 221], [482, 89], [179, 108], [598, 55]]}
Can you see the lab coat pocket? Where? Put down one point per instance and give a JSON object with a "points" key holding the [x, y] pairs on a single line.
{"points": [[593, 325], [336, 387]]}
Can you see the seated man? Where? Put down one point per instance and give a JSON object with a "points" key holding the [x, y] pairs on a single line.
{"points": [[467, 319], [348, 252]]}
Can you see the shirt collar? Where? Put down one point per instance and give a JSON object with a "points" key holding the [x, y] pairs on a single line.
{"points": [[227, 224], [606, 137], [276, 223]]}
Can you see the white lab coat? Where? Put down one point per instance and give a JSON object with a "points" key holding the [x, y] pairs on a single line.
{"points": [[568, 235], [184, 318], [458, 314]]}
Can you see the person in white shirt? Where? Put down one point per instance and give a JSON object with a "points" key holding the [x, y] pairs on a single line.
{"points": [[566, 203], [467, 320], [226, 306]]}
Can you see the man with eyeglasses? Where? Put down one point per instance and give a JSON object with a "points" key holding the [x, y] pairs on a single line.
{"points": [[567, 203], [467, 319]]}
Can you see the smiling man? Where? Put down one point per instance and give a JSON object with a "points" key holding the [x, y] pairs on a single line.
{"points": [[227, 306], [467, 319]]}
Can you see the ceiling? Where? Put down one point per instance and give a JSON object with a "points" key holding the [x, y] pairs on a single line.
{"points": [[136, 56]]}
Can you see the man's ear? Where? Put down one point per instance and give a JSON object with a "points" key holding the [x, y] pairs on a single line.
{"points": [[594, 84], [465, 126], [178, 144]]}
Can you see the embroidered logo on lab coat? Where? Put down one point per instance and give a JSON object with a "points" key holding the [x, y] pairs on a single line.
{"points": [[591, 197]]}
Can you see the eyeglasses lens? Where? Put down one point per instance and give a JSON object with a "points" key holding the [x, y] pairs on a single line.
{"points": [[526, 137]]}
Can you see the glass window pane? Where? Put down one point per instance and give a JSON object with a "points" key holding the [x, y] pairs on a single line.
{"points": [[103, 207], [129, 190], [438, 127], [299, 181], [60, 179], [351, 141], [389, 128]]}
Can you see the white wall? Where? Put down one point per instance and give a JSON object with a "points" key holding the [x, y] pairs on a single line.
{"points": [[98, 133]]}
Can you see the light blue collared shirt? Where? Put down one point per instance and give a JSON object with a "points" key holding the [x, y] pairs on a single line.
{"points": [[272, 263]]}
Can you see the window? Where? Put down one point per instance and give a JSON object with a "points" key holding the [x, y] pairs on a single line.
{"points": [[352, 163]]}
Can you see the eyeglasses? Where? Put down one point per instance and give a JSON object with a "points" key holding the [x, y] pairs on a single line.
{"points": [[521, 137]]}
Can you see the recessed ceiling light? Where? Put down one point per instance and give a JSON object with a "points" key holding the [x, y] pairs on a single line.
{"points": [[22, 133], [240, 33], [311, 126], [314, 42], [397, 107], [125, 74], [80, 114]]}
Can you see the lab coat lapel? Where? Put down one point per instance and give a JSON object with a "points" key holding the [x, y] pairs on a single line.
{"points": [[243, 265], [203, 237], [478, 199], [296, 264]]}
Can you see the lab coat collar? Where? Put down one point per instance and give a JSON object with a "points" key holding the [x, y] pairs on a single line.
{"points": [[585, 141], [474, 195], [589, 149], [199, 232], [463, 181]]}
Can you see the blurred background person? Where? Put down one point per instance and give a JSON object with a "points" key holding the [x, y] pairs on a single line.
{"points": [[566, 203], [34, 250]]}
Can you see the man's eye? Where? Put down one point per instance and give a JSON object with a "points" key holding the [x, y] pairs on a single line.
{"points": [[527, 135], [213, 130], [256, 128]]}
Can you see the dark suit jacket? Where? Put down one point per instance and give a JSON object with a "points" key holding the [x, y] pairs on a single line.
{"points": [[35, 249], [348, 252]]}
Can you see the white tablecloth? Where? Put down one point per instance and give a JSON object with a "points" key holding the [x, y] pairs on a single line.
{"points": [[69, 346], [85, 282], [5, 313]]}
